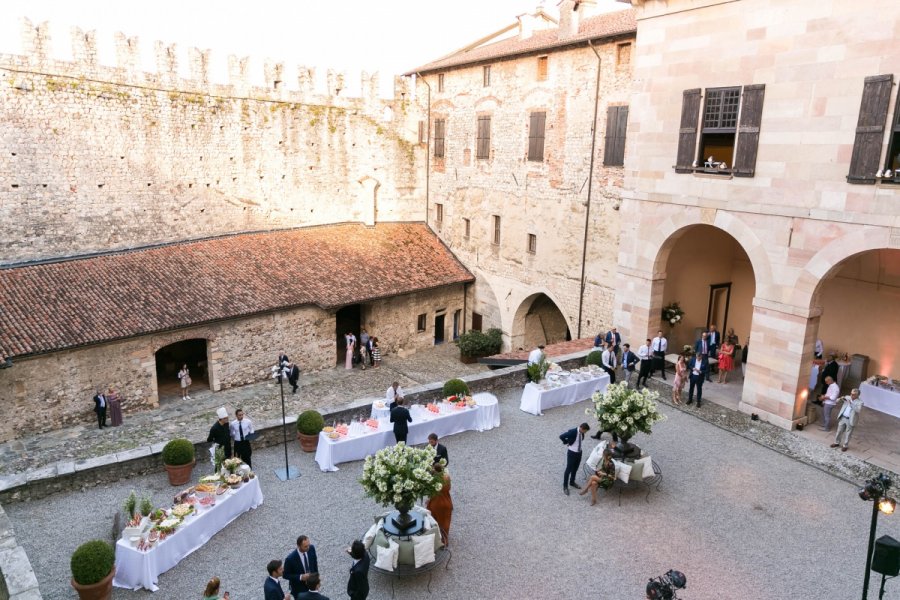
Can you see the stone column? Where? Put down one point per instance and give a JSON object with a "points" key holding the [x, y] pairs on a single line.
{"points": [[638, 306]]}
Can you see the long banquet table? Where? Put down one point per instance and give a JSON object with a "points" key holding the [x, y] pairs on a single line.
{"points": [[349, 448], [136, 569], [535, 399], [880, 399]]}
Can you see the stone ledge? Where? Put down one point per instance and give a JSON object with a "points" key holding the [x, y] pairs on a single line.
{"points": [[19, 581]]}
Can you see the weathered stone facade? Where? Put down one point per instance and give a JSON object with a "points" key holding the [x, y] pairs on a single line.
{"points": [[395, 320], [100, 158], [797, 218], [545, 198]]}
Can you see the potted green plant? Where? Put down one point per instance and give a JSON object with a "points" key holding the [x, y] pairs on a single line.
{"points": [[93, 569], [178, 458], [475, 344], [455, 387], [137, 520], [594, 357], [309, 424]]}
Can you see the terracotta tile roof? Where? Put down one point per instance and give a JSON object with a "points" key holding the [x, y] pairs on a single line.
{"points": [[558, 349], [600, 26], [47, 307]]}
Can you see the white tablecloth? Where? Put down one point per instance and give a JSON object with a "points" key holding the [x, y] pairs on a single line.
{"points": [[136, 569], [489, 410], [381, 413], [880, 399], [330, 452], [535, 400]]}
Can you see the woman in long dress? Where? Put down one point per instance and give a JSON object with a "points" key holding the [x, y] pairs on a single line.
{"points": [[678, 384], [348, 361], [726, 361], [441, 506], [115, 407]]}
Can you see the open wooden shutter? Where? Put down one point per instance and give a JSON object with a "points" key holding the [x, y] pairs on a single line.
{"points": [[748, 131], [687, 134], [870, 129], [614, 148]]}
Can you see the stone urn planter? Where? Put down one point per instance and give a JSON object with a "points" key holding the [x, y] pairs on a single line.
{"points": [[178, 459], [308, 443]]}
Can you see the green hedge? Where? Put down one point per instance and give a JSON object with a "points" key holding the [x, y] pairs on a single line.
{"points": [[455, 387], [178, 452], [92, 561], [310, 422], [594, 358], [476, 344]]}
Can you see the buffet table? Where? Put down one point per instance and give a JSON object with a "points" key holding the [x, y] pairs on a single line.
{"points": [[488, 409], [881, 399], [137, 569], [535, 399], [356, 447]]}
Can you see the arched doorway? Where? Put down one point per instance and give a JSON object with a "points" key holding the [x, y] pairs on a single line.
{"points": [[538, 320], [169, 359], [710, 276], [347, 320]]}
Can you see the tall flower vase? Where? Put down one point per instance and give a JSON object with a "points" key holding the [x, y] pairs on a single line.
{"points": [[628, 449], [403, 520]]}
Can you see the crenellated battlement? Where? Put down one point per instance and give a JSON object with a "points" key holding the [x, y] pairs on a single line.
{"points": [[277, 85]]}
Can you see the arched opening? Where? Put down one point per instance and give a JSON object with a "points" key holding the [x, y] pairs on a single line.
{"points": [[710, 276], [169, 360], [348, 319], [538, 321]]}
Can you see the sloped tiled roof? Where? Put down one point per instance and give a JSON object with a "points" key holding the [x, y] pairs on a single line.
{"points": [[48, 307], [601, 26]]}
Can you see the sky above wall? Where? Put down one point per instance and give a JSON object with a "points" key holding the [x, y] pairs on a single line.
{"points": [[388, 36]]}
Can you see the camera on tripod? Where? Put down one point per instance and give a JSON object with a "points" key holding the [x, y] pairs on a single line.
{"points": [[664, 587]]}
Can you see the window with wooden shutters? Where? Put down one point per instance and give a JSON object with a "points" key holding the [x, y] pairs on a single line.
{"points": [[483, 138], [616, 122], [719, 133], [687, 134], [439, 125], [486, 75], [892, 160], [536, 136], [542, 68], [873, 111], [748, 131]]}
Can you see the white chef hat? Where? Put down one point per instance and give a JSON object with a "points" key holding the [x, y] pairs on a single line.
{"points": [[222, 413]]}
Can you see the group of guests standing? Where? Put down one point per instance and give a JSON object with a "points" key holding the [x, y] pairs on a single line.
{"points": [[107, 405], [365, 352]]}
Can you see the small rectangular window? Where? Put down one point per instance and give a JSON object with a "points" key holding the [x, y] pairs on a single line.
{"points": [[440, 82], [468, 227], [421, 132], [421, 322], [476, 321], [438, 212], [542, 68], [486, 75], [536, 136], [614, 150], [496, 240], [483, 138], [532, 243], [623, 55], [439, 126]]}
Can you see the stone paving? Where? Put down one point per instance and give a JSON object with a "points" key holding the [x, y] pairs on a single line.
{"points": [[261, 402]]}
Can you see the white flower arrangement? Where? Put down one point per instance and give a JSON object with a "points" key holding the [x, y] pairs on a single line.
{"points": [[625, 411], [399, 475], [672, 313]]}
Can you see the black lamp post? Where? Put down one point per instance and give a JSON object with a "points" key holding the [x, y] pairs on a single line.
{"points": [[279, 372], [876, 491]]}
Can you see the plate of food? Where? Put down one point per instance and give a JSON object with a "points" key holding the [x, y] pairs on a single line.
{"points": [[234, 481], [328, 429], [208, 501], [182, 510], [221, 489], [379, 404], [333, 435]]}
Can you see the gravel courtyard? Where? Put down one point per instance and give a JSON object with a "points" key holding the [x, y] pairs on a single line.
{"points": [[740, 520]]}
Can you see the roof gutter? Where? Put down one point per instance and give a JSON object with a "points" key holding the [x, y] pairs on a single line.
{"points": [[587, 212], [427, 149]]}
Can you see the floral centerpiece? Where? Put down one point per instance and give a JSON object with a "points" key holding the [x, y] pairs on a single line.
{"points": [[399, 475], [625, 411], [672, 313], [232, 464]]}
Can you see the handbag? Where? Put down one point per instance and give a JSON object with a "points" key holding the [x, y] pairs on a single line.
{"points": [[187, 379]]}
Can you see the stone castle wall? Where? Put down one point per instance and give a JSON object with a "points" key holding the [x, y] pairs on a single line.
{"points": [[98, 158]]}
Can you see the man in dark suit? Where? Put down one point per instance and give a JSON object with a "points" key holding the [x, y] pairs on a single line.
{"points": [[313, 594], [358, 584], [703, 349], [613, 340], [272, 587], [100, 405], [300, 565], [829, 370], [715, 340], [573, 438], [400, 417], [293, 376], [440, 449], [629, 360], [698, 367]]}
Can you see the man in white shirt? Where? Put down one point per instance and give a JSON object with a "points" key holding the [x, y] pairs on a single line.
{"points": [[828, 400], [534, 358], [646, 357], [241, 432], [847, 419], [608, 360], [393, 393], [658, 346]]}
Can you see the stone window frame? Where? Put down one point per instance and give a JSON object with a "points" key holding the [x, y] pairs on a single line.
{"points": [[467, 223], [440, 133], [543, 67], [531, 248], [537, 128], [483, 137], [486, 76], [438, 213], [623, 57], [422, 323], [495, 237], [440, 82]]}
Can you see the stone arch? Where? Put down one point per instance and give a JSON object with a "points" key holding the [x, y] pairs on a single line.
{"points": [[167, 339], [524, 333]]}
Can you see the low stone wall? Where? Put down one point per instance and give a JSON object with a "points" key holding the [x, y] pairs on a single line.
{"points": [[19, 581], [77, 475]]}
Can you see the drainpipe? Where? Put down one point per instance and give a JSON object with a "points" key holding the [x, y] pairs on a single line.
{"points": [[587, 212], [427, 149]]}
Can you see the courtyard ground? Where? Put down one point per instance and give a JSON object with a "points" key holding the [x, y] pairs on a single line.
{"points": [[740, 520]]}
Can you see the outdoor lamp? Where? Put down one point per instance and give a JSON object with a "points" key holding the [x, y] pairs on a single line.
{"points": [[875, 490], [887, 505]]}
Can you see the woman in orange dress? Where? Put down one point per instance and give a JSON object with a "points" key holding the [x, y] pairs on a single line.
{"points": [[726, 360], [441, 506]]}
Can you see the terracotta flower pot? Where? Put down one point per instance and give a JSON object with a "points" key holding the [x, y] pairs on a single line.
{"points": [[102, 590], [308, 443], [180, 474], [467, 360]]}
